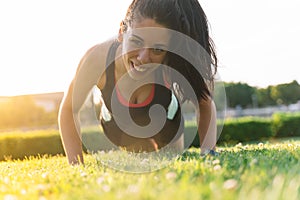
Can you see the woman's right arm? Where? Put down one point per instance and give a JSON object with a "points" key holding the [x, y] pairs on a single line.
{"points": [[69, 129], [89, 71]]}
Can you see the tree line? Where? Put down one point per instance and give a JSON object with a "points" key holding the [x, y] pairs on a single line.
{"points": [[22, 111], [246, 96]]}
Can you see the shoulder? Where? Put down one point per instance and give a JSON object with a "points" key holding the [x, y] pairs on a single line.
{"points": [[96, 55], [92, 64], [89, 72]]}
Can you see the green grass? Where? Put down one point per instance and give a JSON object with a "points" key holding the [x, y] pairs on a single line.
{"points": [[253, 171]]}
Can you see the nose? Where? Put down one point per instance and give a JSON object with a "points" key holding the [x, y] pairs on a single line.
{"points": [[144, 55]]}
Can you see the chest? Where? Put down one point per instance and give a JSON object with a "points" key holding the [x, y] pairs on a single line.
{"points": [[132, 91]]}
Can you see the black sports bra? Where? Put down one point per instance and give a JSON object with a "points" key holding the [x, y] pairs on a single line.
{"points": [[118, 121]]}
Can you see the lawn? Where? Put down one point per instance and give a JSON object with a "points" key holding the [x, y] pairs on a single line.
{"points": [[269, 170]]}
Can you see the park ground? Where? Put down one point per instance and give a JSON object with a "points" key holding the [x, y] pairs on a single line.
{"points": [[262, 170]]}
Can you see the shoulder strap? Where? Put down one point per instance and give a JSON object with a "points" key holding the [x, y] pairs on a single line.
{"points": [[110, 64], [110, 74]]}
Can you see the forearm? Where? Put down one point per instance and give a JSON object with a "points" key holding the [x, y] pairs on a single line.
{"points": [[90, 68], [207, 128], [70, 136]]}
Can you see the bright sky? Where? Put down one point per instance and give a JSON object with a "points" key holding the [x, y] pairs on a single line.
{"points": [[41, 42]]}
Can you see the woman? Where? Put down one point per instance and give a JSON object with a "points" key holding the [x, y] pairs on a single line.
{"points": [[141, 69]]}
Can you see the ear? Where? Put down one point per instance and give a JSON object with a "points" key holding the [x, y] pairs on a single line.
{"points": [[120, 36], [121, 31]]}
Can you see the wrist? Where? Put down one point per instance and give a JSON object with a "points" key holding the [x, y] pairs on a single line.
{"points": [[210, 152]]}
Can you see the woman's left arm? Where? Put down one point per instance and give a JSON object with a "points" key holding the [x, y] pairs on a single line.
{"points": [[207, 125]]}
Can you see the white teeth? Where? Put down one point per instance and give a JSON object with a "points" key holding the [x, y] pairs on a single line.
{"points": [[140, 69]]}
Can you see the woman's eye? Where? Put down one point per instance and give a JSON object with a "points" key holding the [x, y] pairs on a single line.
{"points": [[158, 51], [136, 42]]}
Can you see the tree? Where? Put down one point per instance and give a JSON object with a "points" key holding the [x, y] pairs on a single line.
{"points": [[21, 111], [239, 94], [286, 93], [264, 97]]}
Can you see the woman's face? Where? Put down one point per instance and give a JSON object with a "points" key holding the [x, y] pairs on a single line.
{"points": [[144, 48]]}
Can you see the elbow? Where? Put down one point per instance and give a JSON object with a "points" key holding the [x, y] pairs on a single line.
{"points": [[62, 113], [66, 111]]}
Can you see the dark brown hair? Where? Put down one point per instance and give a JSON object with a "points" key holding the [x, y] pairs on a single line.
{"points": [[187, 17]]}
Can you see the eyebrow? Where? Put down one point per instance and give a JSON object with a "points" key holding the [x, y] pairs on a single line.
{"points": [[156, 45], [138, 37]]}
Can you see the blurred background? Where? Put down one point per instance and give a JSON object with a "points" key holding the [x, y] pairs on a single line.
{"points": [[42, 42]]}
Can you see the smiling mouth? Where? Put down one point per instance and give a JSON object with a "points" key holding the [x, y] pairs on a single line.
{"points": [[137, 68]]}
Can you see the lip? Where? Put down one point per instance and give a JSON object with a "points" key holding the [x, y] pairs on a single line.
{"points": [[135, 71]]}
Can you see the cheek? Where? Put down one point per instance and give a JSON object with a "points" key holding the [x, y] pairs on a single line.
{"points": [[128, 55], [128, 48], [159, 58], [128, 52]]}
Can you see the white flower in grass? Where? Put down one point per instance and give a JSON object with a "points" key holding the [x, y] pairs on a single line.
{"points": [[260, 145], [110, 152], [239, 145], [106, 174], [171, 175], [133, 189], [230, 184], [6, 180], [101, 152], [106, 188], [44, 175], [23, 191], [145, 161], [83, 174], [10, 197], [253, 162], [216, 162], [100, 180], [42, 187], [217, 167]]}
